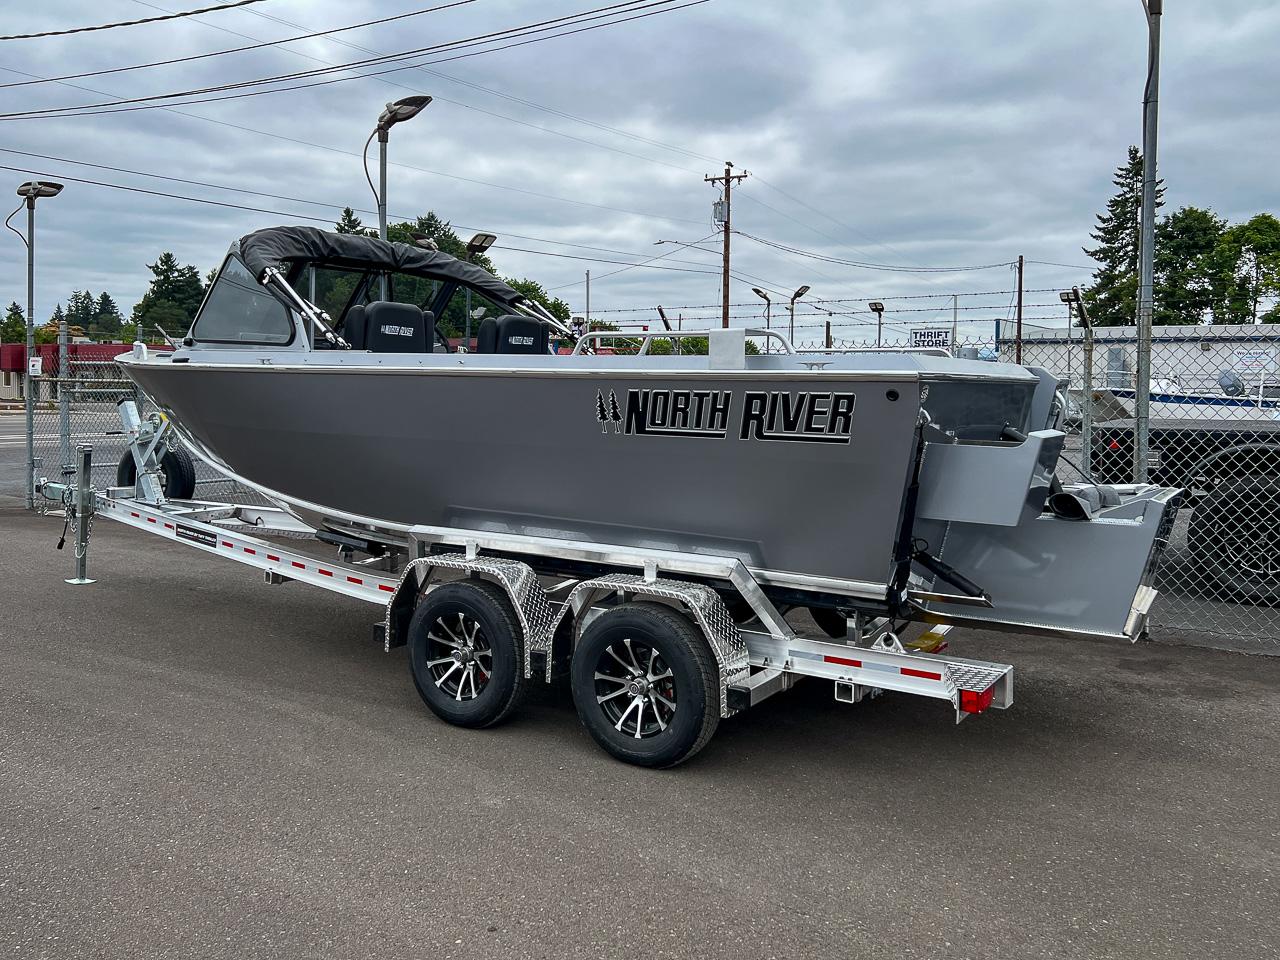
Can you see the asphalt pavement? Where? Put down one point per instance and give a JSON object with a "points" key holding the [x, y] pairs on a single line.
{"points": [[196, 764]]}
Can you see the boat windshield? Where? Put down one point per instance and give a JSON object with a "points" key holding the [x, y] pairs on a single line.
{"points": [[240, 310]]}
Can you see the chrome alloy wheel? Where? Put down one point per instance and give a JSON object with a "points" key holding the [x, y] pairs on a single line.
{"points": [[635, 688], [459, 657]]}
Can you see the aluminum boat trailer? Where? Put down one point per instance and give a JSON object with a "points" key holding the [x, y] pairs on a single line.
{"points": [[648, 646]]}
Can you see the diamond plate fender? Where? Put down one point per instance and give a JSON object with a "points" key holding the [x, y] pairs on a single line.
{"points": [[537, 617], [708, 610]]}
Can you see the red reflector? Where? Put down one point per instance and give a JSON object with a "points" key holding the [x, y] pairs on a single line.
{"points": [[228, 543], [354, 580], [300, 566], [843, 661], [922, 674], [383, 586], [1113, 445], [973, 701], [323, 572], [273, 558]]}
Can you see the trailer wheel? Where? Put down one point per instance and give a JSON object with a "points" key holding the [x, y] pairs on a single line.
{"points": [[466, 654], [1234, 537], [646, 685], [177, 467]]}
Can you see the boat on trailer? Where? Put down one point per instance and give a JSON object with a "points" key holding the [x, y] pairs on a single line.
{"points": [[871, 488]]}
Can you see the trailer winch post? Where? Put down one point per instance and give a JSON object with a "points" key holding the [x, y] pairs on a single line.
{"points": [[81, 502]]}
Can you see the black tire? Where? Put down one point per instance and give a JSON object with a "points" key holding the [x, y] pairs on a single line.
{"points": [[665, 667], [176, 465], [1234, 537], [466, 654]]}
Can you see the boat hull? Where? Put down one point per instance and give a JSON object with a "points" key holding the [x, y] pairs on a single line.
{"points": [[805, 480]]}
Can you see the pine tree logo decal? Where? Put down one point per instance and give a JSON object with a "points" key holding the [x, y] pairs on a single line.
{"points": [[610, 414]]}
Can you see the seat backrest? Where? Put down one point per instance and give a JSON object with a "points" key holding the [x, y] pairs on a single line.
{"points": [[355, 327], [512, 334], [395, 328]]}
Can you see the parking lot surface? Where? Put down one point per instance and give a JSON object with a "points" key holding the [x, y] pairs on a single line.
{"points": [[196, 764]]}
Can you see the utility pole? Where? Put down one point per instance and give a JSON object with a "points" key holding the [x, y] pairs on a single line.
{"points": [[1146, 246], [724, 214], [1017, 350], [588, 311]]}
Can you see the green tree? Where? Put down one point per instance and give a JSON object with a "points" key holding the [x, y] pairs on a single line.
{"points": [[1113, 296], [1247, 262], [128, 332], [13, 328], [80, 308], [350, 223], [1185, 265], [106, 315], [533, 290], [173, 297]]}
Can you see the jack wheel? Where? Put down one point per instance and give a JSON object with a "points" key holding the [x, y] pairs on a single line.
{"points": [[646, 685], [176, 466]]}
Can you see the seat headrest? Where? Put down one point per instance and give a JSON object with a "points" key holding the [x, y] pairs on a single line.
{"points": [[512, 334], [354, 327], [395, 327]]}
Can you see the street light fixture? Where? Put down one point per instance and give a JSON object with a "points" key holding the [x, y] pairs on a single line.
{"points": [[800, 292], [31, 191], [397, 112], [878, 309], [477, 245]]}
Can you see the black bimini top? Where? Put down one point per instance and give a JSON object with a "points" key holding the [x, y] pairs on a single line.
{"points": [[279, 246]]}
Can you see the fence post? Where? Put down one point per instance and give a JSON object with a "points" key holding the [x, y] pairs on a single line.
{"points": [[828, 334], [1086, 406], [64, 399]]}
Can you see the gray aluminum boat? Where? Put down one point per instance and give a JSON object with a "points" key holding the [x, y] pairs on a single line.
{"points": [[908, 484]]}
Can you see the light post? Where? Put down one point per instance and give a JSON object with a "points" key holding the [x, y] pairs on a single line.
{"points": [[31, 191], [1146, 247], [768, 311], [397, 112], [878, 309], [475, 246], [791, 334]]}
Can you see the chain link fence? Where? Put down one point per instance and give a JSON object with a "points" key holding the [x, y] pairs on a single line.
{"points": [[1214, 431], [80, 407]]}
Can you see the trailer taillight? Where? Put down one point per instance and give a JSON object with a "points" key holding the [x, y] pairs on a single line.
{"points": [[1113, 445], [974, 701]]}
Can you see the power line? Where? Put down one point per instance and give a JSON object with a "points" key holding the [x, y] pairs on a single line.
{"points": [[407, 166], [554, 111], [891, 268], [133, 104], [220, 53], [129, 23], [324, 220]]}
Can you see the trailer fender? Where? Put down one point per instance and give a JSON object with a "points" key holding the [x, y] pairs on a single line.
{"points": [[1240, 459], [537, 616], [703, 604]]}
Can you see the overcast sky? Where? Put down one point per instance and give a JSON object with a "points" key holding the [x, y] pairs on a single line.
{"points": [[927, 134]]}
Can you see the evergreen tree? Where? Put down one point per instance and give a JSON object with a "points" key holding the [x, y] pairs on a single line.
{"points": [[106, 315], [13, 328], [173, 297], [1113, 296], [80, 309], [350, 223], [1185, 266]]}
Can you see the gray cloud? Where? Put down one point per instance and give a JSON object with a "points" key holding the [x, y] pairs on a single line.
{"points": [[930, 133]]}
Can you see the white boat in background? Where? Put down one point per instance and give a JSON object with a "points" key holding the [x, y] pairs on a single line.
{"points": [[1232, 400]]}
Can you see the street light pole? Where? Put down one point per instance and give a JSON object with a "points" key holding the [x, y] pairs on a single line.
{"points": [[791, 331], [398, 111], [878, 309], [768, 313], [1146, 247], [31, 191]]}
